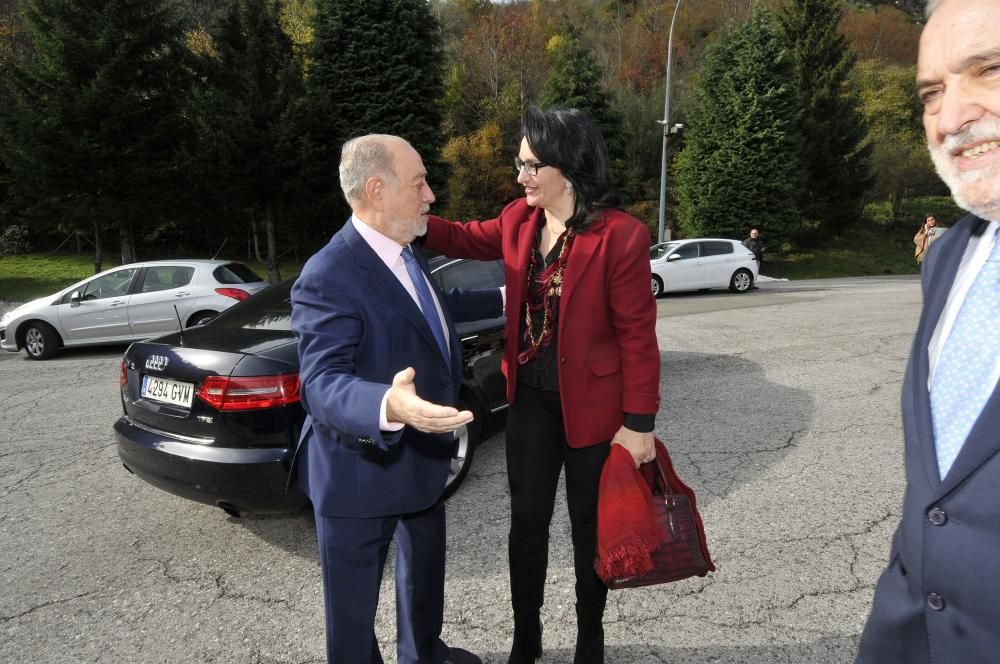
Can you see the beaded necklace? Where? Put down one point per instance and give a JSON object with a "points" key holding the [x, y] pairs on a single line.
{"points": [[543, 294]]}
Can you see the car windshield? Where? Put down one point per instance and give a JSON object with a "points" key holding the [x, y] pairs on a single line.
{"points": [[235, 273], [661, 250], [270, 309]]}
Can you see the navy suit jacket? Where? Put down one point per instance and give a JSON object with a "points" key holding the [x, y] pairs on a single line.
{"points": [[939, 600], [357, 327]]}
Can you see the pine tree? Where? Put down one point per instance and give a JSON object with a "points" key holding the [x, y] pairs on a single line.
{"points": [[739, 167], [93, 121], [835, 156], [574, 81], [376, 67], [246, 149]]}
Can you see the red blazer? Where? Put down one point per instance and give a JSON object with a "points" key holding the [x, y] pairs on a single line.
{"points": [[609, 362]]}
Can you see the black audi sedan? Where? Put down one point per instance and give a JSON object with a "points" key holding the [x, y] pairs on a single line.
{"points": [[212, 413]]}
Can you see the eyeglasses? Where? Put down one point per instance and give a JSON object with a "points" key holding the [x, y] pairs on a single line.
{"points": [[531, 168]]}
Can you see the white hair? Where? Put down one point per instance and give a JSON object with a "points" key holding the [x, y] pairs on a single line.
{"points": [[362, 158]]}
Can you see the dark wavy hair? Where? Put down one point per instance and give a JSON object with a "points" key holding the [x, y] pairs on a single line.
{"points": [[570, 140]]}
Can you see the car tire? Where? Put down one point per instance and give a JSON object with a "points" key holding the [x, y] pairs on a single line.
{"points": [[466, 440], [657, 286], [201, 318], [742, 281], [41, 341]]}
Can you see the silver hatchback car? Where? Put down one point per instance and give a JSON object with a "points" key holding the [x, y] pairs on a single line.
{"points": [[134, 301]]}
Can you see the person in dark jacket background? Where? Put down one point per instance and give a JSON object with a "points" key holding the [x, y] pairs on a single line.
{"points": [[755, 245]]}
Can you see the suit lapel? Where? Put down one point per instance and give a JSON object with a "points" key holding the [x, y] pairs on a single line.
{"points": [[585, 247], [387, 286], [937, 282]]}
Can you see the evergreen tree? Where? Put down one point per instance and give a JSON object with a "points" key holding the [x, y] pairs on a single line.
{"points": [[93, 121], [574, 81], [376, 67], [835, 156], [740, 164], [246, 149]]}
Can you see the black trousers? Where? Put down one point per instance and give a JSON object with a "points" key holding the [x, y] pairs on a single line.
{"points": [[536, 453]]}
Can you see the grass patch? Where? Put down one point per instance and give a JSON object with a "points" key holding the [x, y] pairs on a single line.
{"points": [[30, 276], [871, 251]]}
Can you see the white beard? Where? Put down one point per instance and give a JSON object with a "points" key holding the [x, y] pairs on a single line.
{"points": [[978, 190]]}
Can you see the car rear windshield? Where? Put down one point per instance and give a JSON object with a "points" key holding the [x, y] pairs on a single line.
{"points": [[235, 273], [270, 309]]}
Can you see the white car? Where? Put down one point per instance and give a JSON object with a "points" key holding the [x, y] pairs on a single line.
{"points": [[701, 263], [126, 303]]}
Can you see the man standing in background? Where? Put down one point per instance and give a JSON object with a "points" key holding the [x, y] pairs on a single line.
{"points": [[756, 246]]}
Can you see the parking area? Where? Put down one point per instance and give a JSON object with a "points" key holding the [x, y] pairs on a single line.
{"points": [[780, 408]]}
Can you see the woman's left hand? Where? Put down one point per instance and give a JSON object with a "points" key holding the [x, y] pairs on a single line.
{"points": [[639, 445]]}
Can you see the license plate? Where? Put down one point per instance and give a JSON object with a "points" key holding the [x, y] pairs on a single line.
{"points": [[165, 390]]}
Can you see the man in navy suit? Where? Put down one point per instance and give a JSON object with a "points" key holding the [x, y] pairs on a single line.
{"points": [[939, 599], [380, 368]]}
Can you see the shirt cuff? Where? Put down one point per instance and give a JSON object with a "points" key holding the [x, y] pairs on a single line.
{"points": [[640, 423], [383, 419]]}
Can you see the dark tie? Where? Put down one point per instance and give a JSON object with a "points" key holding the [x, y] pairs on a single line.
{"points": [[963, 379], [426, 301]]}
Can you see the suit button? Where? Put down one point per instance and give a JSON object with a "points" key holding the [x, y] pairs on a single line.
{"points": [[935, 601], [937, 516], [562, 359]]}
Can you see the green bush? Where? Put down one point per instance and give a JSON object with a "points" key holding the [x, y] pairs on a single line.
{"points": [[14, 240]]}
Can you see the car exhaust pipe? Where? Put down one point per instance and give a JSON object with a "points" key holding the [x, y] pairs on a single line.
{"points": [[229, 509]]}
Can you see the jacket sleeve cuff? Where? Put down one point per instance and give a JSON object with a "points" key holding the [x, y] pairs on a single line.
{"points": [[640, 423]]}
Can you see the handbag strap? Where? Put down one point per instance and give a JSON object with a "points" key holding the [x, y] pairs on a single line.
{"points": [[662, 474]]}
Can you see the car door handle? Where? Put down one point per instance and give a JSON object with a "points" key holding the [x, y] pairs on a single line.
{"points": [[116, 303], [182, 293]]}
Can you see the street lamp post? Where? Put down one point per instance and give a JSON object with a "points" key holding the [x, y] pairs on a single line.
{"points": [[666, 128]]}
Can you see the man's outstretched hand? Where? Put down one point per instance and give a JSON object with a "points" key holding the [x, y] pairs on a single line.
{"points": [[403, 405]]}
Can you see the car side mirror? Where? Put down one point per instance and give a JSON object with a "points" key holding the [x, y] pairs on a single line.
{"points": [[75, 298], [673, 257]]}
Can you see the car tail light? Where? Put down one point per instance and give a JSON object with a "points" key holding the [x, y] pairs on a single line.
{"points": [[235, 293], [123, 376], [249, 393]]}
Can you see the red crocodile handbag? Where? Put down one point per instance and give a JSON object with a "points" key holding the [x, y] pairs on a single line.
{"points": [[683, 551]]}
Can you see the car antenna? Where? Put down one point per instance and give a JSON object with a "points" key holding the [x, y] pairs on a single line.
{"points": [[224, 241], [180, 324]]}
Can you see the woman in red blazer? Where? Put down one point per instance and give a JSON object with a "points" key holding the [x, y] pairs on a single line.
{"points": [[581, 360]]}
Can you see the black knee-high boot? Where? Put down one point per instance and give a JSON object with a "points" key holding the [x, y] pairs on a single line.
{"points": [[528, 562], [591, 597]]}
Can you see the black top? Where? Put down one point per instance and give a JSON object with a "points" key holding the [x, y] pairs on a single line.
{"points": [[540, 371]]}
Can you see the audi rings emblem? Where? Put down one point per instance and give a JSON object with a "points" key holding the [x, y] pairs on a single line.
{"points": [[157, 363]]}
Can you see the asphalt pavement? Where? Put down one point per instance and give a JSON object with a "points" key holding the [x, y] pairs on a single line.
{"points": [[780, 408]]}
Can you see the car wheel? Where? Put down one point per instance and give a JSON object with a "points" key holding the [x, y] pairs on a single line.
{"points": [[40, 341], [466, 440], [742, 281], [657, 286], [201, 318]]}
